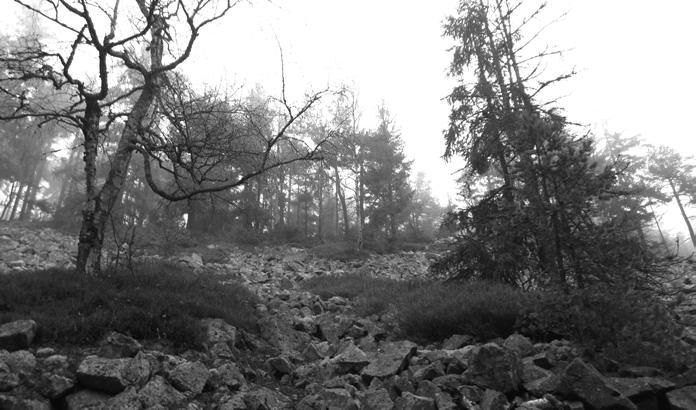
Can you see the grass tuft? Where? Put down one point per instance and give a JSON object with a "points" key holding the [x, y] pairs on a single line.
{"points": [[156, 301]]}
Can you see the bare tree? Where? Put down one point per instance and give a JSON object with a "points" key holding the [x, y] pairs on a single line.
{"points": [[144, 41]]}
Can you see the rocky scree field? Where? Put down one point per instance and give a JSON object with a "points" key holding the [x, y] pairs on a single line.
{"points": [[302, 332]]}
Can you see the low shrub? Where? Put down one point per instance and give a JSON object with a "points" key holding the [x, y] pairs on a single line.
{"points": [[625, 325], [353, 285], [484, 310], [431, 311], [156, 301]]}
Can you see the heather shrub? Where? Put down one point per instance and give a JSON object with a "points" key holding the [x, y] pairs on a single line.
{"points": [[625, 325], [485, 310], [156, 301], [431, 311]]}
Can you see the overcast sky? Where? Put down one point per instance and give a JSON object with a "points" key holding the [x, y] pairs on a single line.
{"points": [[634, 58]]}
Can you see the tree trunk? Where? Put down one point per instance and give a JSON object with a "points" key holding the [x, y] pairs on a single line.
{"points": [[18, 197], [30, 197], [98, 205], [344, 208], [10, 200], [194, 224], [359, 207], [683, 213], [320, 218], [659, 229]]}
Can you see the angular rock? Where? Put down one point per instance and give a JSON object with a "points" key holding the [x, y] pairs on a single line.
{"points": [[457, 341], [312, 353], [429, 372], [227, 375], [473, 394], [443, 401], [17, 335], [583, 381], [235, 402], [280, 365], [494, 368], [494, 400], [189, 377], [128, 399], [449, 382], [116, 345], [333, 327], [459, 359], [215, 331], [8, 379], [221, 351], [640, 386], [392, 358], [350, 360], [376, 400], [157, 392], [263, 398], [427, 388], [86, 400], [409, 401], [21, 362], [112, 375], [520, 344], [23, 403], [278, 331], [683, 398], [55, 386], [337, 399]]}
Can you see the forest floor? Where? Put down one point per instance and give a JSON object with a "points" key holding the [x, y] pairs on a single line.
{"points": [[303, 331]]}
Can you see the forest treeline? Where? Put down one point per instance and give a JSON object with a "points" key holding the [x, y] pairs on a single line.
{"points": [[125, 145], [358, 186]]}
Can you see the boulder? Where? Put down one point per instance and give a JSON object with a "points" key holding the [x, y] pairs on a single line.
{"points": [[214, 331], [116, 345], [494, 400], [263, 398], [583, 381], [128, 399], [392, 358], [519, 344], [189, 377], [8, 379], [457, 341], [280, 365], [112, 375], [350, 360], [23, 403], [337, 399], [333, 327], [21, 362], [493, 367], [54, 386], [17, 335], [443, 401], [278, 331], [429, 372], [410, 401], [158, 392], [636, 387], [376, 399], [86, 400], [683, 398], [227, 375]]}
